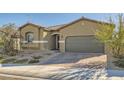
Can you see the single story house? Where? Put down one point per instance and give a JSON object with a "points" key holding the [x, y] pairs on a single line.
{"points": [[76, 36]]}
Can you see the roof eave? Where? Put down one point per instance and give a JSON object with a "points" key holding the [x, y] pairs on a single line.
{"points": [[83, 18]]}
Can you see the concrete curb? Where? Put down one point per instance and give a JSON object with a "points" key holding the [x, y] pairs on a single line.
{"points": [[15, 77]]}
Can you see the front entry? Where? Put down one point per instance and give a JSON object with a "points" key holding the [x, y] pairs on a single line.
{"points": [[55, 42]]}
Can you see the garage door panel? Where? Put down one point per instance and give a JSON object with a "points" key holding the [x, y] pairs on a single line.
{"points": [[87, 44]]}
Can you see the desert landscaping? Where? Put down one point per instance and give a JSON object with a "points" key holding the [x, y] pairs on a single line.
{"points": [[71, 66]]}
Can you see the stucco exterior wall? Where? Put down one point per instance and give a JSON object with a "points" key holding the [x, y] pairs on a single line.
{"points": [[50, 40], [40, 38], [23, 32], [77, 29], [16, 43], [45, 39]]}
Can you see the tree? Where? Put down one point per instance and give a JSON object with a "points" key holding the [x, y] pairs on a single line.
{"points": [[6, 35], [111, 37]]}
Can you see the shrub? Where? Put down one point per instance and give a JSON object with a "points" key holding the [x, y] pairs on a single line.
{"points": [[10, 60], [1, 44], [1, 57], [34, 61], [12, 53], [121, 57], [7, 34], [37, 57], [119, 63], [21, 61], [113, 38]]}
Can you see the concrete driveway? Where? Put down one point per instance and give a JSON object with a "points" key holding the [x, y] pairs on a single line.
{"points": [[77, 58], [63, 66]]}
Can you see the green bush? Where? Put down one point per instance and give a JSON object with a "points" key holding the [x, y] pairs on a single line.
{"points": [[119, 63], [1, 44], [21, 61], [37, 57], [13, 53], [10, 60], [1, 57], [34, 61], [121, 57]]}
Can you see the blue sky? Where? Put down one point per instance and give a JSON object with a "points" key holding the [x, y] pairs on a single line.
{"points": [[48, 19]]}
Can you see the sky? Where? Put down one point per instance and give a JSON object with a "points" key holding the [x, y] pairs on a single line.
{"points": [[50, 19]]}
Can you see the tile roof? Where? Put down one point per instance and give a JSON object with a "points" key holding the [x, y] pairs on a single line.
{"points": [[87, 19], [56, 27], [30, 24]]}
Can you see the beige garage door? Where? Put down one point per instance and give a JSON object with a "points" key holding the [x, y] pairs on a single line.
{"points": [[85, 44]]}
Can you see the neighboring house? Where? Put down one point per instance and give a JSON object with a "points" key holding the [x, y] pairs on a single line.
{"points": [[77, 36]]}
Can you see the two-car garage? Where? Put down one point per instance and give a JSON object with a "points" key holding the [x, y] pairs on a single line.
{"points": [[85, 44]]}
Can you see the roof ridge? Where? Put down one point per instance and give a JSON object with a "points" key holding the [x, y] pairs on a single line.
{"points": [[55, 25], [29, 23], [85, 18], [60, 26]]}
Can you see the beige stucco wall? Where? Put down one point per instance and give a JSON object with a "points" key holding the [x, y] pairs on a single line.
{"points": [[50, 40], [45, 37], [40, 38], [16, 43], [77, 29]]}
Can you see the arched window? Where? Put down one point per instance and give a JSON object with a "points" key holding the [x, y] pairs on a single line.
{"points": [[29, 36]]}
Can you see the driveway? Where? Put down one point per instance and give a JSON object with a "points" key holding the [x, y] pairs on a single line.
{"points": [[63, 66], [67, 58]]}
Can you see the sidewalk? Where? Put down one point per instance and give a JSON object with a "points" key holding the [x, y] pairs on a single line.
{"points": [[59, 72], [35, 72], [14, 77]]}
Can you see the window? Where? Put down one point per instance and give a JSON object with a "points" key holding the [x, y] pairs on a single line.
{"points": [[29, 37]]}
